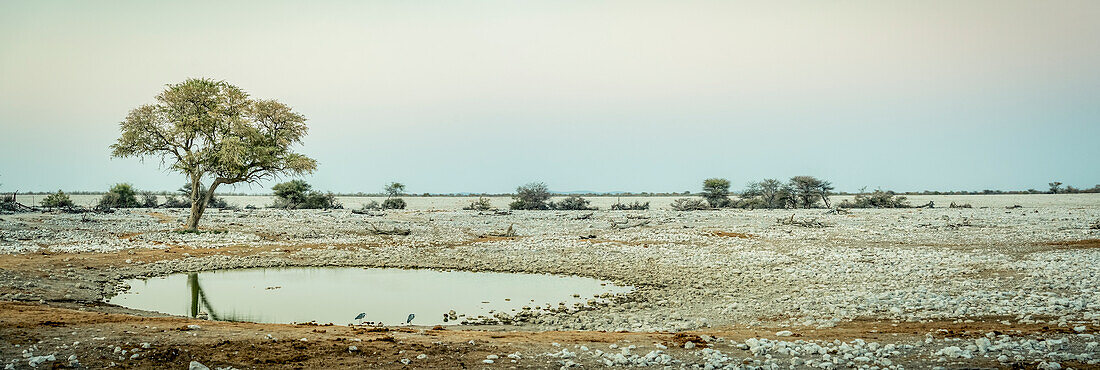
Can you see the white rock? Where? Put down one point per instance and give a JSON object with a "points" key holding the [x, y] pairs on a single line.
{"points": [[195, 365], [38, 360], [689, 345], [1049, 366], [785, 333]]}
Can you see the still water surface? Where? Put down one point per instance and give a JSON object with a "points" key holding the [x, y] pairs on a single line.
{"points": [[339, 294]]}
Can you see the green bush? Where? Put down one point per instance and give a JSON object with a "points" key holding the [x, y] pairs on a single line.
{"points": [[636, 206], [319, 200], [393, 203], [120, 196], [689, 204], [57, 200], [531, 196], [877, 199], [371, 206], [297, 194], [749, 203], [481, 204], [291, 194], [571, 203]]}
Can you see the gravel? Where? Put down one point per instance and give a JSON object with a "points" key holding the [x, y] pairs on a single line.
{"points": [[692, 270]]}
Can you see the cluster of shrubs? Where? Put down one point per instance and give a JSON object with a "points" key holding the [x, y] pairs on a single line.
{"points": [[690, 204], [393, 190], [481, 204], [636, 206], [876, 199], [297, 194], [58, 200], [798, 192], [125, 196], [536, 196]]}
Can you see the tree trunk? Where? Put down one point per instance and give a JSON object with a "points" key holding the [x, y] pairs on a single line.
{"points": [[826, 199], [198, 202]]}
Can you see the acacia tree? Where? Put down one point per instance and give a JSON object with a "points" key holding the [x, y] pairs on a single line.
{"points": [[212, 130], [772, 193], [394, 189], [531, 196], [807, 190], [716, 191]]}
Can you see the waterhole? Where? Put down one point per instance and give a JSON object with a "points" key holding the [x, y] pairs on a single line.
{"points": [[338, 295]]}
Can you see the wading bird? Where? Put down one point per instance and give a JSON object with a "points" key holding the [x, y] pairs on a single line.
{"points": [[360, 316], [410, 319]]}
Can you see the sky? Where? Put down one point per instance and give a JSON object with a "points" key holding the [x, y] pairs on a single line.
{"points": [[482, 96]]}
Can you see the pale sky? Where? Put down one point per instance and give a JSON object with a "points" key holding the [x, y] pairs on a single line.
{"points": [[482, 96]]}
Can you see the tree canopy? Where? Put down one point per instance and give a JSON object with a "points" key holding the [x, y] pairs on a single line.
{"points": [[716, 191], [212, 130]]}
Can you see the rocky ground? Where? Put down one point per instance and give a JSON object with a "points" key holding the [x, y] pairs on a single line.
{"points": [[913, 288]]}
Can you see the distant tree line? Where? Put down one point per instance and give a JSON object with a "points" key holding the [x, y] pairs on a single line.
{"points": [[1055, 188], [797, 192]]}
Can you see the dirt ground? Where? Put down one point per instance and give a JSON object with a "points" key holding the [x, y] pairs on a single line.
{"points": [[248, 345], [764, 282]]}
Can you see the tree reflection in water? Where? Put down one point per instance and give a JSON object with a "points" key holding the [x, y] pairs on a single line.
{"points": [[198, 299]]}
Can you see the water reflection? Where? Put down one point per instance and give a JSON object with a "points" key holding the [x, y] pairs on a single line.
{"points": [[337, 295]]}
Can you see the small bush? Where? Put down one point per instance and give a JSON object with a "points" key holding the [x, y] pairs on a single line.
{"points": [[481, 204], [636, 206], [572, 203], [877, 199], [319, 200], [371, 206], [148, 199], [689, 204], [57, 200], [120, 196], [750, 203], [393, 203], [531, 196]]}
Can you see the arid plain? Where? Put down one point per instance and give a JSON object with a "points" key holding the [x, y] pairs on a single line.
{"points": [[995, 285]]}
